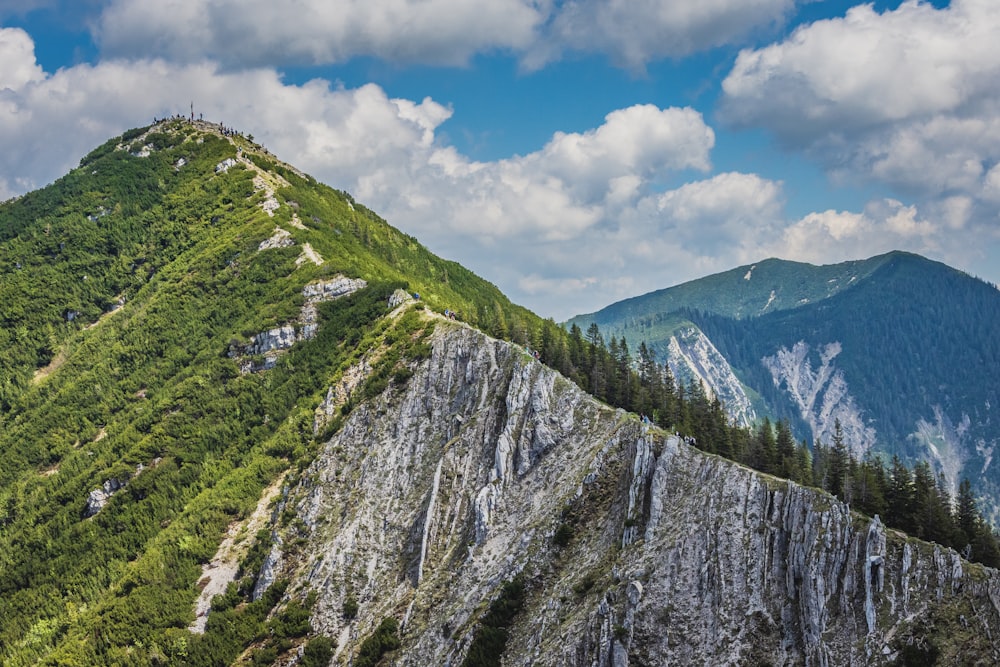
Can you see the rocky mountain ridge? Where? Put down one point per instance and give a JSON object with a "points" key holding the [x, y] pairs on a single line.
{"points": [[634, 547], [273, 453]]}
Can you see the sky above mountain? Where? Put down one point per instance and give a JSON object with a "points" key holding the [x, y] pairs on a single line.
{"points": [[572, 152]]}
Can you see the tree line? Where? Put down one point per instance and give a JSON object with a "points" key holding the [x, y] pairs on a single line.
{"points": [[915, 501]]}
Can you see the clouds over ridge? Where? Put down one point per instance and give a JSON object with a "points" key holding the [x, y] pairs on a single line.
{"points": [[591, 216], [581, 210], [436, 32]]}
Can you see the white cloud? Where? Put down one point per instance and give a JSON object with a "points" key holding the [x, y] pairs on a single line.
{"points": [[635, 32], [885, 225], [257, 32], [441, 32], [17, 60], [908, 96]]}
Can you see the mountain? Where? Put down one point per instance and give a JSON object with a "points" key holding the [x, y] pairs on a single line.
{"points": [[497, 509], [897, 348], [231, 433], [137, 292]]}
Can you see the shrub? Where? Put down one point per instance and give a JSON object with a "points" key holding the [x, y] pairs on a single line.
{"points": [[350, 607], [384, 639], [491, 638], [564, 533], [318, 653]]}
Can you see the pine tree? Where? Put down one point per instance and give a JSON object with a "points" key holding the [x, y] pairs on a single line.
{"points": [[763, 450], [785, 444], [967, 515], [651, 382], [924, 499], [803, 464], [868, 487], [899, 500], [836, 474], [594, 336], [670, 403]]}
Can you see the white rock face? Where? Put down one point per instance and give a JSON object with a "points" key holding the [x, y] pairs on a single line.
{"points": [[821, 394], [309, 255], [691, 354], [225, 165], [280, 338], [947, 445], [280, 239], [273, 342], [433, 494], [98, 498]]}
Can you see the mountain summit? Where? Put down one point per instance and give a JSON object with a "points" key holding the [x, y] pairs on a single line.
{"points": [[896, 348], [245, 421]]}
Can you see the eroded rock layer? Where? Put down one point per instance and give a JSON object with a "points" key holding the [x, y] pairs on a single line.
{"points": [[634, 548]]}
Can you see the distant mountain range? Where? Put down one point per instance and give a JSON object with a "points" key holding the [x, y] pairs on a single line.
{"points": [[903, 351]]}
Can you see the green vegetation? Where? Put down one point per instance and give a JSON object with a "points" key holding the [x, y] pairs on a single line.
{"points": [[382, 641], [318, 653], [493, 631], [350, 609], [123, 288]]}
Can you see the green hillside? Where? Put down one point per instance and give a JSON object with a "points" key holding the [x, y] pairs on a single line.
{"points": [[916, 344], [125, 288], [748, 291], [915, 335]]}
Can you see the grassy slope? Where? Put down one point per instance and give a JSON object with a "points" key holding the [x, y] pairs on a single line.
{"points": [[916, 335], [151, 383], [730, 294]]}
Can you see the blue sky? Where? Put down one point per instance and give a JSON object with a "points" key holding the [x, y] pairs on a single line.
{"points": [[572, 152]]}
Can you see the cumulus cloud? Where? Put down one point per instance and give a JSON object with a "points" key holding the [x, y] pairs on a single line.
{"points": [[17, 59], [907, 96], [439, 32], [635, 32], [581, 195], [884, 225], [256, 32]]}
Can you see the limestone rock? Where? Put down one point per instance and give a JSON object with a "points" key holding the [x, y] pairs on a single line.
{"points": [[432, 495], [271, 343], [280, 239], [225, 165]]}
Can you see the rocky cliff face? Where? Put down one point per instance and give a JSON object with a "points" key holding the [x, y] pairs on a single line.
{"points": [[634, 548], [691, 354], [821, 394]]}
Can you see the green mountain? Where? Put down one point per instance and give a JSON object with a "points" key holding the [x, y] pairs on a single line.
{"points": [[741, 293], [897, 348], [133, 291], [231, 434]]}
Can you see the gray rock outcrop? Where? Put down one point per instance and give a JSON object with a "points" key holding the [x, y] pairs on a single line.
{"points": [[433, 494], [98, 498], [271, 343]]}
